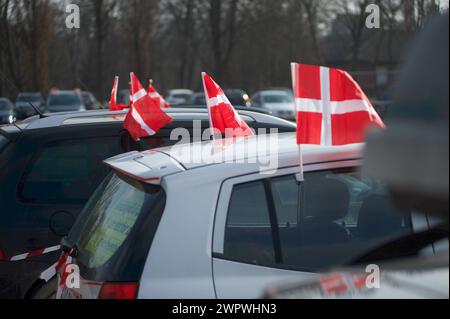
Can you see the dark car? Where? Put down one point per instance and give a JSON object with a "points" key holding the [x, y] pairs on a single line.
{"points": [[49, 168], [65, 101], [90, 101], [26, 102], [7, 115], [238, 98]]}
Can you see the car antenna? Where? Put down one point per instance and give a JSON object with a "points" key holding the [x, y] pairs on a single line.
{"points": [[41, 115]]}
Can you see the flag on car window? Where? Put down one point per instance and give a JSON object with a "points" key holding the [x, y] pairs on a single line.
{"points": [[155, 96], [113, 100], [332, 109], [145, 117], [223, 117], [113, 105]]}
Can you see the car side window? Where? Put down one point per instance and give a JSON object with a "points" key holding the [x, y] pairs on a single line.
{"points": [[248, 234], [331, 219], [67, 172]]}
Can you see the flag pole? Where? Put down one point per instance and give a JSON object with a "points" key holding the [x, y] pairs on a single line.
{"points": [[300, 176], [209, 109]]}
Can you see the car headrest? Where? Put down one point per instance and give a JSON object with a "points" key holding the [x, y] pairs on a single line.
{"points": [[327, 199], [378, 217]]}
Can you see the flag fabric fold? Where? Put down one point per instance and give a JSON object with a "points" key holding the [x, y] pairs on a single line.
{"points": [[156, 97], [332, 109], [145, 117], [223, 117]]}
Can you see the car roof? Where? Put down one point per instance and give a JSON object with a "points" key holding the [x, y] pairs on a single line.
{"points": [[152, 166], [105, 116]]}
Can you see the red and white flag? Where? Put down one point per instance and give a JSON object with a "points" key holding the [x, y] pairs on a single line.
{"points": [[154, 95], [223, 116], [332, 109], [113, 101], [145, 117]]}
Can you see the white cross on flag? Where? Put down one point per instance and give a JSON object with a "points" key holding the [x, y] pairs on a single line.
{"points": [[155, 96], [145, 118], [332, 109], [223, 117]]}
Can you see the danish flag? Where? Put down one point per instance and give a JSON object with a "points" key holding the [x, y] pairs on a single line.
{"points": [[332, 109], [223, 116], [145, 117], [113, 100], [157, 97]]}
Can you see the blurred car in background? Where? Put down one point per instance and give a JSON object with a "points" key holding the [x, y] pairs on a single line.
{"points": [[7, 115], [179, 96], [123, 97], [238, 98], [65, 101], [25, 102], [198, 99], [280, 103], [90, 101], [51, 166]]}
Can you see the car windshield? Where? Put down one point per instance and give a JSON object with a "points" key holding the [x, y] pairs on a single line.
{"points": [[5, 106], [29, 97], [111, 219], [64, 99], [277, 98]]}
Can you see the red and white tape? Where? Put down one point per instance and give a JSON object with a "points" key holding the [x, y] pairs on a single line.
{"points": [[33, 253]]}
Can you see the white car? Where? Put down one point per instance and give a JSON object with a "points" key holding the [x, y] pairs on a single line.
{"points": [[164, 225], [279, 103]]}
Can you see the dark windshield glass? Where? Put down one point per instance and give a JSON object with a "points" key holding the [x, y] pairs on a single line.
{"points": [[29, 97], [109, 233], [5, 106], [64, 99], [277, 98]]}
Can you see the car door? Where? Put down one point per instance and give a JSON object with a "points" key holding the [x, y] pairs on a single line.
{"points": [[244, 258], [273, 229]]}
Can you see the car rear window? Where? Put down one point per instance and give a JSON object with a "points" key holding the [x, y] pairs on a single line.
{"points": [[114, 232], [67, 171]]}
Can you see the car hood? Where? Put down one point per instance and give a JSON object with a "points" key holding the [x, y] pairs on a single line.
{"points": [[405, 282]]}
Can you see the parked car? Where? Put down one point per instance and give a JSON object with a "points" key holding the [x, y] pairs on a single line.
{"points": [[235, 230], [65, 101], [25, 102], [123, 97], [198, 99], [280, 103], [238, 98], [7, 115], [50, 167], [90, 101], [179, 96]]}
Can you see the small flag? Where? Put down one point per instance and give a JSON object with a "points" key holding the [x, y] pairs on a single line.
{"points": [[332, 109], [154, 95], [113, 101], [145, 118], [223, 117]]}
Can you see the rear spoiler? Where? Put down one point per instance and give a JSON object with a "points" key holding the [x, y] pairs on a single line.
{"points": [[148, 167]]}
